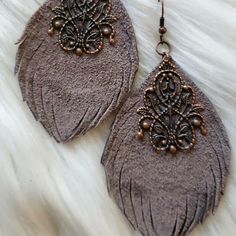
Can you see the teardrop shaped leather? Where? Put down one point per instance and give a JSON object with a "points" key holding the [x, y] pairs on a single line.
{"points": [[161, 193], [69, 94]]}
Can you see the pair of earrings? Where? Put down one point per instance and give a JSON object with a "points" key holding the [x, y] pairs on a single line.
{"points": [[167, 157]]}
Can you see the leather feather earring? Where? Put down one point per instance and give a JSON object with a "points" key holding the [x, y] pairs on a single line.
{"points": [[168, 155], [76, 63]]}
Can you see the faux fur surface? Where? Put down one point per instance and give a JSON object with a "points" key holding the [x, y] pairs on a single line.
{"points": [[50, 189]]}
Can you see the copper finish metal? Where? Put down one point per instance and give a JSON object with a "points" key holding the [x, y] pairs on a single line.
{"points": [[171, 109], [163, 48], [170, 113], [82, 25]]}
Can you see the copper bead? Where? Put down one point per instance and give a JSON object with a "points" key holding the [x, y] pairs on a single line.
{"points": [[162, 30], [173, 149], [146, 125], [50, 32], [140, 135], [203, 130], [72, 43], [79, 51], [112, 41], [57, 24], [106, 31], [196, 122], [164, 142]]}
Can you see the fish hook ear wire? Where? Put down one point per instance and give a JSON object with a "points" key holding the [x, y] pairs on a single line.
{"points": [[163, 47]]}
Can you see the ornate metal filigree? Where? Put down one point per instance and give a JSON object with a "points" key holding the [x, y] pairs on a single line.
{"points": [[170, 113], [83, 24]]}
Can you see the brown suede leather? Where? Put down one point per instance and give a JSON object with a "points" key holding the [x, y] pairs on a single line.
{"points": [[68, 94], [160, 193]]}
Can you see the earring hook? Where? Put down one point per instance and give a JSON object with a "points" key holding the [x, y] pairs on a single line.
{"points": [[162, 31], [162, 8]]}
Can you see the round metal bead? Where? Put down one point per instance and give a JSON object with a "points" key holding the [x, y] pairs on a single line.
{"points": [[57, 24], [72, 43], [112, 41], [164, 142], [140, 135], [106, 31], [203, 130], [146, 125], [196, 122], [162, 30], [50, 31], [79, 51], [173, 149]]}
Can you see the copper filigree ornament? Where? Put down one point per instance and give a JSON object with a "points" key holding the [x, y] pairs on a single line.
{"points": [[83, 24], [170, 114]]}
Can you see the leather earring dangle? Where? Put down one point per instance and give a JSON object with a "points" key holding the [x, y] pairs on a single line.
{"points": [[168, 155], [76, 63]]}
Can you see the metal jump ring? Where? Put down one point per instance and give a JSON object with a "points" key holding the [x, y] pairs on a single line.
{"points": [[161, 52]]}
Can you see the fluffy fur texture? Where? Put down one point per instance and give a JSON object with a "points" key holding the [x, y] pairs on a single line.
{"points": [[50, 189]]}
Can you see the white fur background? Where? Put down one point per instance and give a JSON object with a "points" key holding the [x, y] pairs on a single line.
{"points": [[50, 189]]}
